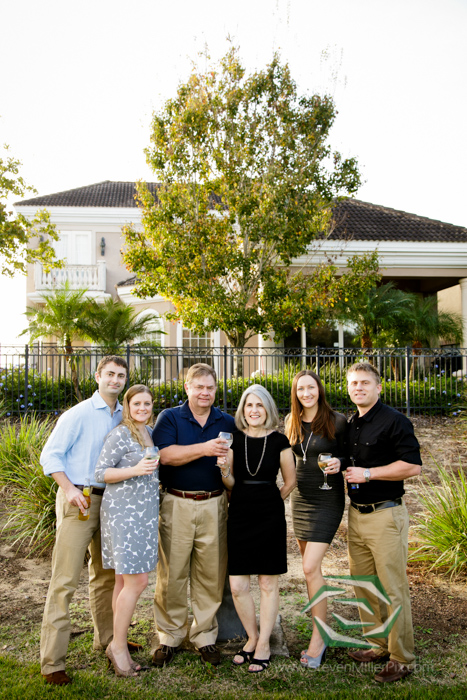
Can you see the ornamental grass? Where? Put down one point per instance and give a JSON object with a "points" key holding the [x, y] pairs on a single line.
{"points": [[442, 527], [29, 495]]}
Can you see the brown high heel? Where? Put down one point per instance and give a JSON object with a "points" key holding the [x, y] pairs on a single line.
{"points": [[131, 673]]}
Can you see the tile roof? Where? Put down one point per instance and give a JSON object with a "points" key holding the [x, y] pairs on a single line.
{"points": [[362, 221], [354, 219], [128, 282], [101, 194]]}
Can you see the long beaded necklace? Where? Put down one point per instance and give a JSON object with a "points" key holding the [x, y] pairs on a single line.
{"points": [[260, 461], [304, 451]]}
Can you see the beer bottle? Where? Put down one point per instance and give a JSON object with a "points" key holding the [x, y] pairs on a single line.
{"points": [[87, 495]]}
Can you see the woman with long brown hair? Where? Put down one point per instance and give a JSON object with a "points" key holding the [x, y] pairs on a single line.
{"points": [[313, 428], [129, 516]]}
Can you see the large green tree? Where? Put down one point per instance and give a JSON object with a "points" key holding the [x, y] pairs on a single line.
{"points": [[247, 182], [22, 241]]}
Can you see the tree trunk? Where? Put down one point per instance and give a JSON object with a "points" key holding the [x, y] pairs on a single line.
{"points": [[367, 345], [74, 374], [395, 368], [237, 339], [416, 350]]}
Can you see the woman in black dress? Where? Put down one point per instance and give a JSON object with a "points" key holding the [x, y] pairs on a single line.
{"points": [[313, 427], [256, 527]]}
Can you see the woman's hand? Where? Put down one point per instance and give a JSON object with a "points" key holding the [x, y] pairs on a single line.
{"points": [[333, 466], [145, 466]]}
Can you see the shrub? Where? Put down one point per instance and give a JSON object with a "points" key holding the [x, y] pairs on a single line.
{"points": [[21, 444], [31, 502], [443, 528], [30, 495]]}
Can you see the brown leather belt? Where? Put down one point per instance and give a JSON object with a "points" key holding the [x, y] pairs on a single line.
{"points": [[371, 507], [200, 496], [94, 489]]}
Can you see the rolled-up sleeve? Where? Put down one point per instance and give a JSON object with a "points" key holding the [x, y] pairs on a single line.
{"points": [[61, 440], [405, 444]]}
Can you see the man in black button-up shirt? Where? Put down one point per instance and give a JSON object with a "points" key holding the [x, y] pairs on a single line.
{"points": [[385, 451]]}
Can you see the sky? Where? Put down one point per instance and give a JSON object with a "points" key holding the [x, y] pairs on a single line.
{"points": [[81, 81]]}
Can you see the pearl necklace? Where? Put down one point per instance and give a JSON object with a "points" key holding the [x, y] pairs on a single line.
{"points": [[260, 461], [304, 451]]}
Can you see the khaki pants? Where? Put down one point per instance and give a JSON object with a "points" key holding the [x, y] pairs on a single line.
{"points": [[73, 538], [192, 543], [378, 544]]}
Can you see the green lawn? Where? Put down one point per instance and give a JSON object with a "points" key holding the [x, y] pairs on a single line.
{"points": [[441, 673]]}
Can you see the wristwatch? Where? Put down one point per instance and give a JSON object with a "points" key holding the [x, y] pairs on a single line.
{"points": [[367, 475]]}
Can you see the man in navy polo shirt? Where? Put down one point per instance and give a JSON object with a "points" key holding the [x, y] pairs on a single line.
{"points": [[193, 518]]}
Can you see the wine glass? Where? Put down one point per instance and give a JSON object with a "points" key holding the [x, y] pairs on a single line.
{"points": [[150, 453], [323, 460], [228, 437]]}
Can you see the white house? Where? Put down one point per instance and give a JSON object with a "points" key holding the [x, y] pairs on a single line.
{"points": [[419, 254]]}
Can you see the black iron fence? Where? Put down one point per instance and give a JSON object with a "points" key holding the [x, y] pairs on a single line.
{"points": [[45, 379]]}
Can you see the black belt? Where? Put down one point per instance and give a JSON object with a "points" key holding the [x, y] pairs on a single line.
{"points": [[200, 496], [94, 489], [251, 481], [371, 507]]}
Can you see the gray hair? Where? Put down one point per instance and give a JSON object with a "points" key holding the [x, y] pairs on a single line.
{"points": [[272, 416]]}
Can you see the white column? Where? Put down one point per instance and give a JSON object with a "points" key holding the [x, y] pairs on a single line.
{"points": [[179, 341], [463, 284], [303, 345], [340, 340], [267, 364], [217, 357], [101, 276]]}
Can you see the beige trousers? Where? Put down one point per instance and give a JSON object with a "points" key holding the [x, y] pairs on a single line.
{"points": [[73, 538], [378, 544], [192, 544]]}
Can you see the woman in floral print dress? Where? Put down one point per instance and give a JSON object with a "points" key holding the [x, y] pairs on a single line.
{"points": [[129, 516]]}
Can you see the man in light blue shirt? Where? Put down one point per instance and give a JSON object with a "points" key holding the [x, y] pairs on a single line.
{"points": [[70, 456]]}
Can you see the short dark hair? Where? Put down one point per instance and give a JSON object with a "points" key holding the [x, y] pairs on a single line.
{"points": [[116, 359], [364, 367]]}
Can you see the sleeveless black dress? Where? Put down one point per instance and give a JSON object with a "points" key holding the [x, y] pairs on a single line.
{"points": [[256, 527], [316, 514]]}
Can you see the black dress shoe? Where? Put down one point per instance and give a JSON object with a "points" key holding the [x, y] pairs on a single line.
{"points": [[210, 654]]}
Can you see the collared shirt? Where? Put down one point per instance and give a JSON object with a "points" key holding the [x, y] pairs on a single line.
{"points": [[379, 437], [178, 426], [76, 441]]}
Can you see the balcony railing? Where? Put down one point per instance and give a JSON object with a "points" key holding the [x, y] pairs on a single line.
{"points": [[90, 277]]}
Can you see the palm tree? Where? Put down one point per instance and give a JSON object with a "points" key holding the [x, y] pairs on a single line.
{"points": [[424, 325], [377, 310], [64, 315], [113, 324]]}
